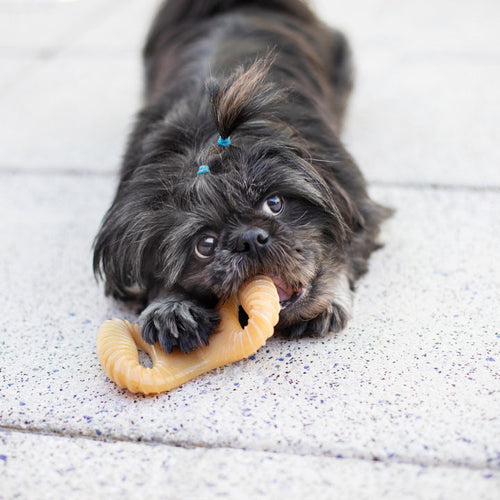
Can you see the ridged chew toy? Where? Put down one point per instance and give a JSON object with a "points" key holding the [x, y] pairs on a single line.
{"points": [[117, 343]]}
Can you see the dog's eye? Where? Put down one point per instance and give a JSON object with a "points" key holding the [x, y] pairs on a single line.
{"points": [[273, 205], [205, 247]]}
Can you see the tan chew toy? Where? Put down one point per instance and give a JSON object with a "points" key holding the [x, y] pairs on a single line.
{"points": [[117, 343]]}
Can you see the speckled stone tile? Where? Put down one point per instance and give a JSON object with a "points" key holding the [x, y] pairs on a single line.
{"points": [[415, 377], [37, 466]]}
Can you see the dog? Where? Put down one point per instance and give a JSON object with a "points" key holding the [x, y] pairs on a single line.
{"points": [[235, 168]]}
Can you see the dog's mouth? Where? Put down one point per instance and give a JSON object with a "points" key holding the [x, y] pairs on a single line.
{"points": [[288, 295]]}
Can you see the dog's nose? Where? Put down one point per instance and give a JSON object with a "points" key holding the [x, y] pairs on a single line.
{"points": [[253, 240]]}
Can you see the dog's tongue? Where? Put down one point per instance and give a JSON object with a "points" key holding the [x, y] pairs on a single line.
{"points": [[284, 291]]}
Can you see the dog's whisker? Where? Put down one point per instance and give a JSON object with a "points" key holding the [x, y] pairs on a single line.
{"points": [[322, 160]]}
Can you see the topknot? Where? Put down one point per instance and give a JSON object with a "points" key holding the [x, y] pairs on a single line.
{"points": [[243, 96]]}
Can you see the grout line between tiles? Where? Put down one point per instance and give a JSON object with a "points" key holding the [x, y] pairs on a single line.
{"points": [[46, 54], [55, 171], [114, 172], [189, 445], [434, 185]]}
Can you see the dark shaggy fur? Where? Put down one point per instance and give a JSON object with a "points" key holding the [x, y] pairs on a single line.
{"points": [[285, 199]]}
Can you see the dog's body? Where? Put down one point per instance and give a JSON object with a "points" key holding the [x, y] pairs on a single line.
{"points": [[284, 199]]}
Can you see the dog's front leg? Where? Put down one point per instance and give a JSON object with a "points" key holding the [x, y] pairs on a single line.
{"points": [[176, 320], [330, 303]]}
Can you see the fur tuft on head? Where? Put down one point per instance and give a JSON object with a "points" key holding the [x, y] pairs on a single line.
{"points": [[243, 96]]}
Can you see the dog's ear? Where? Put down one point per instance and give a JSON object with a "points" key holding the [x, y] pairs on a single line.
{"points": [[356, 209], [125, 248], [243, 96]]}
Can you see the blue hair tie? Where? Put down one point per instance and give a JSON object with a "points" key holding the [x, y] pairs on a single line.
{"points": [[224, 142], [204, 169]]}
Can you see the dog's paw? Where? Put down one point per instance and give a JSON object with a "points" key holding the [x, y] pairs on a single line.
{"points": [[177, 323], [331, 320]]}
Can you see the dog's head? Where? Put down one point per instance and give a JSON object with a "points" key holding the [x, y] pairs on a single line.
{"points": [[264, 207]]}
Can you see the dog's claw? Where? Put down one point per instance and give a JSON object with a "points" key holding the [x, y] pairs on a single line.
{"points": [[149, 332], [178, 323], [332, 320]]}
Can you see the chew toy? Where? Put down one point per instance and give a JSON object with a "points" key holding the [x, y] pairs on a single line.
{"points": [[117, 343]]}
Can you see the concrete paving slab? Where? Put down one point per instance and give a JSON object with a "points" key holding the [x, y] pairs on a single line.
{"points": [[74, 109], [74, 113], [414, 378], [83, 468], [438, 27], [44, 27], [426, 101], [124, 31], [12, 69], [424, 110], [421, 120], [443, 25]]}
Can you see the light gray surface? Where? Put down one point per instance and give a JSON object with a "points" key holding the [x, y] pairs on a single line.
{"points": [[424, 110], [427, 99], [417, 365], [46, 27], [433, 121], [404, 403], [12, 69], [77, 107], [451, 27], [81, 120], [95, 469]]}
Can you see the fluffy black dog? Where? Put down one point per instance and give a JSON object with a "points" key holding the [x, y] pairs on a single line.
{"points": [[284, 198]]}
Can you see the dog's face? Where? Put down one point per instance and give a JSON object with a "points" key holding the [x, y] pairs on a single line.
{"points": [[261, 209]]}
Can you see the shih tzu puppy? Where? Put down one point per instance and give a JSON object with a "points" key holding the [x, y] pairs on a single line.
{"points": [[234, 168]]}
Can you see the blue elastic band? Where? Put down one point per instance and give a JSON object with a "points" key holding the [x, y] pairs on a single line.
{"points": [[204, 169], [224, 142]]}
